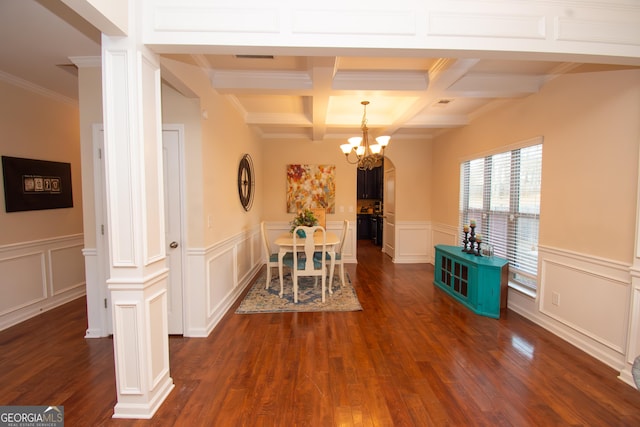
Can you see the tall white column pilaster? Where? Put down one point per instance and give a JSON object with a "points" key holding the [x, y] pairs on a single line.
{"points": [[633, 335], [138, 272]]}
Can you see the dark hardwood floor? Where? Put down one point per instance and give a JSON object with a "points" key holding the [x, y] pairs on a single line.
{"points": [[412, 357]]}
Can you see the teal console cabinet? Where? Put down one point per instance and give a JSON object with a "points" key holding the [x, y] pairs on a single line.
{"points": [[479, 283]]}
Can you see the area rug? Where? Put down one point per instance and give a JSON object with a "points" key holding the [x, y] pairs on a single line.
{"points": [[261, 300]]}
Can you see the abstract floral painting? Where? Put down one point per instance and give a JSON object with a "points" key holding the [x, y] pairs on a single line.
{"points": [[311, 186]]}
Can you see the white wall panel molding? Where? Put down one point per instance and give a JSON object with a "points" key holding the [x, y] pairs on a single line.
{"points": [[40, 275], [65, 273], [414, 242], [320, 19], [157, 338], [199, 16], [153, 207], [122, 185], [216, 276], [479, 24], [24, 280], [633, 336], [625, 32], [571, 302], [579, 295], [444, 234], [569, 27], [195, 324]]}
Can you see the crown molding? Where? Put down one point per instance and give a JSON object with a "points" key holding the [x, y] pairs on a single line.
{"points": [[18, 82]]}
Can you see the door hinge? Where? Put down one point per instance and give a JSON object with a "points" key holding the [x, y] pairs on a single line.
{"points": [[102, 229], [105, 303], [100, 153]]}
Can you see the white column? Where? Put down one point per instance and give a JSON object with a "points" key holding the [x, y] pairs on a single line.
{"points": [[138, 272], [633, 331]]}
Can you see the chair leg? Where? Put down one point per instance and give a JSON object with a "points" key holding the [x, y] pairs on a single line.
{"points": [[268, 276], [342, 274], [324, 279]]}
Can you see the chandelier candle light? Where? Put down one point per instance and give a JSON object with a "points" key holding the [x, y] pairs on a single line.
{"points": [[367, 156]]}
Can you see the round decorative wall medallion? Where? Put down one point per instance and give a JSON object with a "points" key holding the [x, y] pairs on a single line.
{"points": [[246, 181]]}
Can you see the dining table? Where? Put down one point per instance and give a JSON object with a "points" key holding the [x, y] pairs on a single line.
{"points": [[285, 243]]}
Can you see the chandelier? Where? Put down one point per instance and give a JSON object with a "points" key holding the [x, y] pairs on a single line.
{"points": [[366, 156]]}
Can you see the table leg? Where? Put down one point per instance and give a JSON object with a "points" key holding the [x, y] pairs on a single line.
{"points": [[281, 254]]}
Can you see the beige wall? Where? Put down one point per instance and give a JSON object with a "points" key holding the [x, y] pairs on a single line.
{"points": [[38, 127], [412, 160], [273, 181], [213, 207], [590, 159], [413, 163]]}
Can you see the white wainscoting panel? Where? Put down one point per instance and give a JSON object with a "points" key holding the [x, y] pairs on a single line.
{"points": [[65, 272], [24, 281], [216, 276], [444, 234], [221, 277], [39, 275], [413, 242], [592, 309]]}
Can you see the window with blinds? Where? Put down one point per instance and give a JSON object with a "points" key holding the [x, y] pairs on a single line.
{"points": [[502, 193]]}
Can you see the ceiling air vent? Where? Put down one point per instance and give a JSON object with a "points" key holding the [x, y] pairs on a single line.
{"points": [[254, 56]]}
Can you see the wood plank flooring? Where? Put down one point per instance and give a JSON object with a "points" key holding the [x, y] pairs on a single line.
{"points": [[412, 357]]}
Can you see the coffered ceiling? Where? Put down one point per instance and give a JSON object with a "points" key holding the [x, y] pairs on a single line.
{"points": [[310, 97]]}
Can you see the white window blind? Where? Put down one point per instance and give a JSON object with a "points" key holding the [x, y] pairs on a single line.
{"points": [[502, 193]]}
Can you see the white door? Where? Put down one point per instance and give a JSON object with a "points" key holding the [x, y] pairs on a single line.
{"points": [[172, 160], [102, 242], [389, 229]]}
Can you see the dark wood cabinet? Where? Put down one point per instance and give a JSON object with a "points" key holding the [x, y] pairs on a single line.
{"points": [[364, 227], [376, 229], [370, 183]]}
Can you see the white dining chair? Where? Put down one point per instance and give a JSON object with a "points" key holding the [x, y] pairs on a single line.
{"points": [[338, 258], [272, 257], [306, 241]]}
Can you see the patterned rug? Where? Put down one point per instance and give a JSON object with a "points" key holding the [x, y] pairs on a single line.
{"points": [[261, 300]]}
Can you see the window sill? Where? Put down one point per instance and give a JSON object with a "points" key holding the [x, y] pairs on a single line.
{"points": [[531, 293]]}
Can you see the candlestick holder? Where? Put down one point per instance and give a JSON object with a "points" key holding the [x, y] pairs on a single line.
{"points": [[465, 241], [472, 240], [479, 252]]}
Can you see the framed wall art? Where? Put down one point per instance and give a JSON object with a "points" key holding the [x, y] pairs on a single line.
{"points": [[36, 184], [311, 186]]}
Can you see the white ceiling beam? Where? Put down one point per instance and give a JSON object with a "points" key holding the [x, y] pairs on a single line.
{"points": [[237, 80], [442, 75], [495, 85], [437, 121], [277, 119], [380, 80], [323, 70]]}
